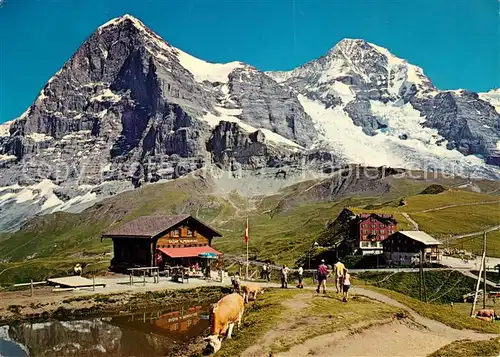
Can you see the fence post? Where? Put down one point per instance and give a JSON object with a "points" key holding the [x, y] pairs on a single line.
{"points": [[93, 282], [31, 286], [144, 279]]}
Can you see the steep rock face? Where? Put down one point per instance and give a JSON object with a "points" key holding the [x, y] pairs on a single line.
{"points": [[471, 125], [266, 104], [230, 144]]}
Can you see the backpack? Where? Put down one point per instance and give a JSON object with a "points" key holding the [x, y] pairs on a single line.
{"points": [[322, 270]]}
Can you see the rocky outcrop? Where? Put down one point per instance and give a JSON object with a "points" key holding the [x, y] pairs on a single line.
{"points": [[471, 125]]}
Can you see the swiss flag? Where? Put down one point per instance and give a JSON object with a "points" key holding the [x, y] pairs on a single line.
{"points": [[246, 233]]}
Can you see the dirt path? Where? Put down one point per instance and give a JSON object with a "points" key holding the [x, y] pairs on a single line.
{"points": [[472, 234], [458, 205], [397, 338], [409, 219], [285, 328], [418, 337]]}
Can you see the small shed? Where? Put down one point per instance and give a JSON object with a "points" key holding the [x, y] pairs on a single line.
{"points": [[404, 247]]}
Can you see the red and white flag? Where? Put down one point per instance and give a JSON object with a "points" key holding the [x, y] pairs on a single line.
{"points": [[246, 233]]}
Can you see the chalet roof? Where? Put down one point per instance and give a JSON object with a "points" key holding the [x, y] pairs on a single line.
{"points": [[151, 226], [381, 217], [421, 237]]}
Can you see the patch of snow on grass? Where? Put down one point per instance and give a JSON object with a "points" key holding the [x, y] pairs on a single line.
{"points": [[88, 197], [52, 200]]}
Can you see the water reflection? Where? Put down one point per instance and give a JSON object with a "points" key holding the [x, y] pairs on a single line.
{"points": [[140, 334]]}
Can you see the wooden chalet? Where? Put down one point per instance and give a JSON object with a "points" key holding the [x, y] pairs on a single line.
{"points": [[405, 247], [150, 241]]}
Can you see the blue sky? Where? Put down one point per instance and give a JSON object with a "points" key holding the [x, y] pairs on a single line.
{"points": [[455, 41]]}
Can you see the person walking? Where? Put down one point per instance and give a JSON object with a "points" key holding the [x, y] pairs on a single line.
{"points": [[322, 276], [346, 285], [236, 282], [301, 277], [263, 274], [284, 276], [338, 269]]}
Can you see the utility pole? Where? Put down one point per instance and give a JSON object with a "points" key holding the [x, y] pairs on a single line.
{"points": [[420, 274], [483, 261], [484, 276]]}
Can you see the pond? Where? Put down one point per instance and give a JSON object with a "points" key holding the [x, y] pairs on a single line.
{"points": [[145, 333]]}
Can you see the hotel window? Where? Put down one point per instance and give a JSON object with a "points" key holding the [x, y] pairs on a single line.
{"points": [[382, 237], [374, 226], [189, 233], [382, 231], [364, 244], [374, 244], [176, 233], [374, 232], [365, 231]]}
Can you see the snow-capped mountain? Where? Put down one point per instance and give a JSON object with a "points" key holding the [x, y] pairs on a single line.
{"points": [[129, 108]]}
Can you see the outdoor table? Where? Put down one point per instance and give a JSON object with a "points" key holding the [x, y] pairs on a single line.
{"points": [[154, 270]]}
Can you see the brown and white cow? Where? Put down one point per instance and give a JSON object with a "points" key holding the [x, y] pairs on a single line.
{"points": [[223, 315], [251, 291]]}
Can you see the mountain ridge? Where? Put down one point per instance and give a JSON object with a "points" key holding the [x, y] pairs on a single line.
{"points": [[128, 108]]}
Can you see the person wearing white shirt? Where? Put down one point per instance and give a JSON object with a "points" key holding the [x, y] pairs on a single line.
{"points": [[301, 277]]}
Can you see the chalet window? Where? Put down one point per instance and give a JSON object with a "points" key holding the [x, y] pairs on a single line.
{"points": [[374, 232], [382, 237], [189, 233], [382, 225], [373, 244], [374, 226], [382, 231], [364, 244], [176, 233], [365, 231]]}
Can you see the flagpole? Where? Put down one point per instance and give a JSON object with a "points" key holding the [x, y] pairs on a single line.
{"points": [[246, 269]]}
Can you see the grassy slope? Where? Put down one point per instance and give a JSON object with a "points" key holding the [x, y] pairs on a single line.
{"points": [[466, 348], [282, 226], [442, 313], [443, 286]]}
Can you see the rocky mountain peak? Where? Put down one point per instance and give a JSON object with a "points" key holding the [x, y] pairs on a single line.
{"points": [[129, 108]]}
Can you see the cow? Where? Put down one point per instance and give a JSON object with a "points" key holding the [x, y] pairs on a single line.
{"points": [[251, 291], [486, 314], [223, 315]]}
